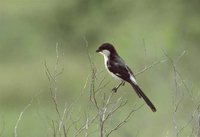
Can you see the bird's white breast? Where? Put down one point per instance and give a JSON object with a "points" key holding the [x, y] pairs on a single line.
{"points": [[106, 55]]}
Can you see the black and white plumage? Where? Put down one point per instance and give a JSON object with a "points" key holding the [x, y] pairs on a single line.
{"points": [[117, 67]]}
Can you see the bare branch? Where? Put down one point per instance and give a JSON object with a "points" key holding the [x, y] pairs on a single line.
{"points": [[177, 99], [180, 57], [145, 50], [61, 124], [93, 77], [20, 117], [54, 129], [102, 113], [52, 77], [125, 120], [150, 66], [88, 125], [116, 108]]}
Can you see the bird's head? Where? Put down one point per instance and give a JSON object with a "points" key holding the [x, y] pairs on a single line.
{"points": [[106, 49]]}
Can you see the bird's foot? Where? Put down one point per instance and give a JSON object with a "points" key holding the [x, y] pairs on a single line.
{"points": [[114, 90]]}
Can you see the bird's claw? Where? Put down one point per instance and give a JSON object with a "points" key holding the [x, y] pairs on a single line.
{"points": [[114, 89]]}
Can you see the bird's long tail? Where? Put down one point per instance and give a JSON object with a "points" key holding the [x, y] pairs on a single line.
{"points": [[141, 93]]}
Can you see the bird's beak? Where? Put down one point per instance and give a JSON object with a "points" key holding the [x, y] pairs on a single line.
{"points": [[97, 50]]}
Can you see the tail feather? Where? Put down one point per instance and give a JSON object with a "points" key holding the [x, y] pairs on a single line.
{"points": [[141, 94]]}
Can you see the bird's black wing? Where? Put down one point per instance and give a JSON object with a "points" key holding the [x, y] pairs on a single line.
{"points": [[119, 68]]}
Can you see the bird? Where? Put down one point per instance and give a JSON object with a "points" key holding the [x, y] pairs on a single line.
{"points": [[120, 71]]}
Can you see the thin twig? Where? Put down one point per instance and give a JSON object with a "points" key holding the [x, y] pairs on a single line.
{"points": [[53, 88], [93, 77], [103, 114], [150, 66], [177, 99], [124, 121], [84, 126], [20, 117]]}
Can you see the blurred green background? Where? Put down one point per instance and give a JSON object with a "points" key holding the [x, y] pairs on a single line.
{"points": [[139, 29]]}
